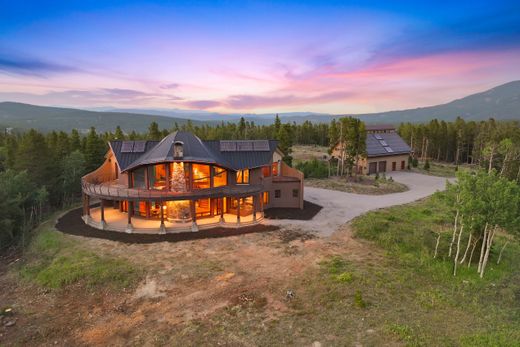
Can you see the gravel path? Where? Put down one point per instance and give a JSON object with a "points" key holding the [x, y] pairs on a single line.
{"points": [[341, 207]]}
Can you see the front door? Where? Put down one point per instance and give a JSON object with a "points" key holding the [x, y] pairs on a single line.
{"points": [[382, 166], [372, 168], [394, 166], [402, 165]]}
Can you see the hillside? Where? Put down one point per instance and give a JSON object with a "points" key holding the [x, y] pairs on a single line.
{"points": [[25, 116], [501, 103]]}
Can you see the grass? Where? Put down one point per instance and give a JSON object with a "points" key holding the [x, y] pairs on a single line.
{"points": [[54, 261], [439, 169], [308, 152], [367, 185]]}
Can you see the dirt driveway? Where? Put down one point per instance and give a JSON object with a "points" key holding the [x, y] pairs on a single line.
{"points": [[341, 207]]}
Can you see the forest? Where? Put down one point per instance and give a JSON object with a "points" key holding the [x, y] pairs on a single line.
{"points": [[40, 173]]}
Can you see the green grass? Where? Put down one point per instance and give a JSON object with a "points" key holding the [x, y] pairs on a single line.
{"points": [[53, 261]]}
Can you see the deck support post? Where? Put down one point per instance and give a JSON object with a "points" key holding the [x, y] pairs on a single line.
{"points": [[222, 211], [194, 226], [162, 229], [102, 209], [262, 204], [129, 227], [238, 211], [255, 201]]}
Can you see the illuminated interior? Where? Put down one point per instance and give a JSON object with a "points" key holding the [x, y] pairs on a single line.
{"points": [[201, 176]]}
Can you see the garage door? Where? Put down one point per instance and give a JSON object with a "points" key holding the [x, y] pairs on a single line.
{"points": [[372, 168], [382, 166]]}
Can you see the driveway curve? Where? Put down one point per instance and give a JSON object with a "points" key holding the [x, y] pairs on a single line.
{"points": [[341, 207]]}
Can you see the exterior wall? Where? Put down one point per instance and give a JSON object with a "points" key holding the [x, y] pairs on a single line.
{"points": [[389, 160], [286, 198]]}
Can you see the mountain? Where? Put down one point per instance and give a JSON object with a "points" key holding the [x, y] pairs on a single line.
{"points": [[501, 103], [25, 116]]}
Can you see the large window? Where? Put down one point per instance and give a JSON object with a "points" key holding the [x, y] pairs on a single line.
{"points": [[219, 177], [203, 207], [266, 198], [266, 171], [243, 176], [139, 181], [201, 176], [157, 176]]}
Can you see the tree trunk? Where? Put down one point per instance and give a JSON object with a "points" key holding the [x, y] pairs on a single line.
{"points": [[437, 245], [483, 248], [458, 251], [504, 163], [490, 167], [454, 232], [472, 251], [502, 251], [488, 249], [467, 248]]}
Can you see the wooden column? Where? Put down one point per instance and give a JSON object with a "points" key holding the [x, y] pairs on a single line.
{"points": [[162, 228], [222, 210], [120, 205], [88, 204], [130, 210], [255, 201], [194, 226], [102, 209], [168, 174], [238, 210]]}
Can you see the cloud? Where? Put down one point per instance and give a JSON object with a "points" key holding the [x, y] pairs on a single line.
{"points": [[169, 86], [32, 67], [203, 104]]}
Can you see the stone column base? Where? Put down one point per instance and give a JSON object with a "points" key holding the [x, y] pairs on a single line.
{"points": [[194, 227], [103, 225], [129, 228], [162, 229]]}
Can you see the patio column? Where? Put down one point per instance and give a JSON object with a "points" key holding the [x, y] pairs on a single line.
{"points": [[102, 209], [120, 205], [222, 210], [261, 203], [238, 211], [129, 227], [162, 229], [194, 226], [168, 173], [255, 201], [88, 204]]}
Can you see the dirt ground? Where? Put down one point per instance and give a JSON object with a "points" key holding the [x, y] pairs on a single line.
{"points": [[185, 282]]}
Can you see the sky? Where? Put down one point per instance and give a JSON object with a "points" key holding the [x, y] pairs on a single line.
{"points": [[340, 57]]}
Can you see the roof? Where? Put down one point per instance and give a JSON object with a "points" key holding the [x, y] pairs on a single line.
{"points": [[379, 127], [246, 154], [245, 159], [394, 144]]}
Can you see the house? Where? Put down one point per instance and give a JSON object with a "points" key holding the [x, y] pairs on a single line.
{"points": [[386, 151], [183, 183]]}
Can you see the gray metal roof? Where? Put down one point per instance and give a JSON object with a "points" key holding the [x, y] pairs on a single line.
{"points": [[194, 150], [245, 159], [379, 127], [124, 159], [375, 147]]}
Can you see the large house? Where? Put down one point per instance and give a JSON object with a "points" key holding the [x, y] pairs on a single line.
{"points": [[386, 151], [183, 183]]}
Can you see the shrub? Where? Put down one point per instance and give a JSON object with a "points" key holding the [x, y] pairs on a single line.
{"points": [[358, 300], [377, 176], [427, 165], [313, 168], [415, 162], [345, 277]]}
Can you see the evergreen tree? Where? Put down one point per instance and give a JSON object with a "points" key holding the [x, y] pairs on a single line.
{"points": [[153, 131], [119, 135], [95, 150]]}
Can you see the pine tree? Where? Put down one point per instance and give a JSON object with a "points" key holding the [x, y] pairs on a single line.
{"points": [[153, 131], [95, 150], [119, 135]]}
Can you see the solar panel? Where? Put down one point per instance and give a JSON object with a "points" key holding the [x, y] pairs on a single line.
{"points": [[388, 149], [261, 145], [244, 146], [378, 137], [139, 146], [228, 146], [127, 147], [383, 143]]}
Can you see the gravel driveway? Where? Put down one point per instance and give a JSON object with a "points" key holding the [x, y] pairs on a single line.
{"points": [[341, 207]]}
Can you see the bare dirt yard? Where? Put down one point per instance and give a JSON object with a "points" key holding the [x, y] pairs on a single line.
{"points": [[364, 185]]}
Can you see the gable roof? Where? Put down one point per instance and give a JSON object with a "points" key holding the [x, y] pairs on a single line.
{"points": [[376, 144], [194, 150]]}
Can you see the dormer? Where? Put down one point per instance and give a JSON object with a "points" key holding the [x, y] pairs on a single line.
{"points": [[178, 151]]}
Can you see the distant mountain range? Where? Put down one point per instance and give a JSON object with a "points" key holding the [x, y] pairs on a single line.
{"points": [[501, 103]]}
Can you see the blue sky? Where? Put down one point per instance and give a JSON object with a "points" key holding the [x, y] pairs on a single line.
{"points": [[245, 56]]}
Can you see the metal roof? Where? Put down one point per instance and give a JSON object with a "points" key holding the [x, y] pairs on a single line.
{"points": [[395, 145], [194, 150], [379, 127]]}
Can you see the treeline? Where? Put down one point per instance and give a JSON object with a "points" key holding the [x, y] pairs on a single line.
{"points": [[488, 144]]}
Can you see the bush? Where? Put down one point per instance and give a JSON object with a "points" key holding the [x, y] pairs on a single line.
{"points": [[427, 165], [415, 162], [358, 300], [377, 176], [313, 168]]}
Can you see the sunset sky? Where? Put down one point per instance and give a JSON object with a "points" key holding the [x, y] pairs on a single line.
{"points": [[246, 56]]}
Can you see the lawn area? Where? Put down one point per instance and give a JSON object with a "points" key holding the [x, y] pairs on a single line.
{"points": [[366, 185], [374, 282], [439, 169], [308, 152]]}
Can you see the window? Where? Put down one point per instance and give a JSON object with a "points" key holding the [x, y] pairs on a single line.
{"points": [[219, 177], [139, 181], [266, 171], [243, 176], [295, 193], [275, 169], [277, 193], [203, 207], [157, 176], [201, 176], [266, 198], [179, 177]]}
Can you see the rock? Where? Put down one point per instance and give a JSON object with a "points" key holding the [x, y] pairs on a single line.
{"points": [[316, 344], [370, 331], [290, 295], [10, 323]]}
